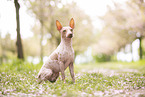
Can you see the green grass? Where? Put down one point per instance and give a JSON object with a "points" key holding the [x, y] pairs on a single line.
{"points": [[19, 78]]}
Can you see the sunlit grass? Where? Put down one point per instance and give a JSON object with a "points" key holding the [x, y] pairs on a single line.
{"points": [[19, 78]]}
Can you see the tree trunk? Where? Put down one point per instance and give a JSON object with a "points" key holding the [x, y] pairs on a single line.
{"points": [[41, 18], [18, 43], [1, 58], [131, 52], [41, 46], [140, 48]]}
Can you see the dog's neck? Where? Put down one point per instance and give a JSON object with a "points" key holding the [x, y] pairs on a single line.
{"points": [[66, 41]]}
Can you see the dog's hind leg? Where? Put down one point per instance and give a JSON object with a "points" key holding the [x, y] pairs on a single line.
{"points": [[54, 77], [44, 74]]}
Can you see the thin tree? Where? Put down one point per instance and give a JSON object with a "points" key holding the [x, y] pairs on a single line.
{"points": [[18, 43], [140, 48], [41, 10], [1, 58]]}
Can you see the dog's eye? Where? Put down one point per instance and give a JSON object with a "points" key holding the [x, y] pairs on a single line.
{"points": [[71, 30], [64, 30]]}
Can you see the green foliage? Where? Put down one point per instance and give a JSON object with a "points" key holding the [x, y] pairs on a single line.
{"points": [[102, 58], [19, 79], [7, 48]]}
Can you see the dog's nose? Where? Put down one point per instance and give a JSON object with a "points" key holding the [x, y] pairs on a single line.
{"points": [[70, 35]]}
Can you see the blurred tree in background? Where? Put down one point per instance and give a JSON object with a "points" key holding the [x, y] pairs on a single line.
{"points": [[122, 25], [46, 12], [7, 48]]}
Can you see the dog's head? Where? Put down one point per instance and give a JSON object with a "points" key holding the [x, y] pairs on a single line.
{"points": [[66, 32]]}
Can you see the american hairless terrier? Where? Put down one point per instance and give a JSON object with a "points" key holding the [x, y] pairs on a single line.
{"points": [[61, 58]]}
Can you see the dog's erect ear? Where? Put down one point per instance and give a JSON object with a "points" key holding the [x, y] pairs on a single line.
{"points": [[59, 27], [72, 23]]}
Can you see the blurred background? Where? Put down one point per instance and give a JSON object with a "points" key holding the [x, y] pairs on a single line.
{"points": [[105, 30]]}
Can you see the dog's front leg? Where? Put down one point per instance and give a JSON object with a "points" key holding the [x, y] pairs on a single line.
{"points": [[62, 70], [71, 69]]}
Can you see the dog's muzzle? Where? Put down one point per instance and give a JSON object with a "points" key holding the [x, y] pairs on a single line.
{"points": [[70, 36]]}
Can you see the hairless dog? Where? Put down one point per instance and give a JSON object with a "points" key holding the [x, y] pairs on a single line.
{"points": [[61, 58]]}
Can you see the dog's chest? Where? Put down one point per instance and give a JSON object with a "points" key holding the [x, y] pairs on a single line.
{"points": [[66, 54]]}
